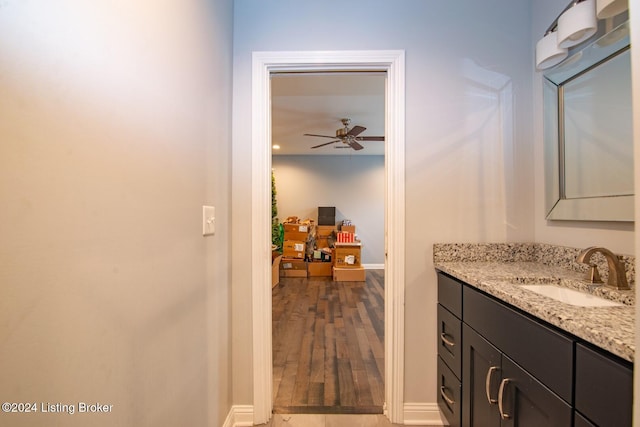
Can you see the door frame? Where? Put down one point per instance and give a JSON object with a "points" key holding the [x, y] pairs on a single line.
{"points": [[263, 64]]}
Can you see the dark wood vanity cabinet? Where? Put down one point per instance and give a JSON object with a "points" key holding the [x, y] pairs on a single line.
{"points": [[498, 392], [517, 371]]}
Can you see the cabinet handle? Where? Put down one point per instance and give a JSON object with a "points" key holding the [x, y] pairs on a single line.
{"points": [[487, 385], [445, 339], [446, 398], [503, 385]]}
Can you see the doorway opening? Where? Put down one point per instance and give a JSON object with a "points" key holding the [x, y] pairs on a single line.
{"points": [[264, 64], [328, 329]]}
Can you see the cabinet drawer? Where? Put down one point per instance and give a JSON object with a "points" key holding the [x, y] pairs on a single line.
{"points": [[522, 338], [604, 388], [449, 393], [450, 294], [450, 340]]}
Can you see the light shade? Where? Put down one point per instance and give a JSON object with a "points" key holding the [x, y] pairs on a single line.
{"points": [[609, 8], [577, 24], [548, 53]]}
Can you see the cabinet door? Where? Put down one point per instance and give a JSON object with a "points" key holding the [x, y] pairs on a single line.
{"points": [[525, 402], [481, 367]]}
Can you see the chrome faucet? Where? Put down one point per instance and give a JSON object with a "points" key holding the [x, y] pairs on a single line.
{"points": [[617, 275]]}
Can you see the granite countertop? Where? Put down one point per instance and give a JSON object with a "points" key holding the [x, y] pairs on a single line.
{"points": [[610, 328]]}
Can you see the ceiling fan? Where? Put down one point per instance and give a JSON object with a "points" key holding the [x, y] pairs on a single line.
{"points": [[347, 136]]}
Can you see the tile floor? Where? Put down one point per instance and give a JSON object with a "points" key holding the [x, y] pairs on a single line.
{"points": [[328, 420]]}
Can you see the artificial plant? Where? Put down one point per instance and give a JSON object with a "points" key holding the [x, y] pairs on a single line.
{"points": [[276, 228]]}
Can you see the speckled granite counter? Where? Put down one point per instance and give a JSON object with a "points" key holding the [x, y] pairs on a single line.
{"points": [[501, 269]]}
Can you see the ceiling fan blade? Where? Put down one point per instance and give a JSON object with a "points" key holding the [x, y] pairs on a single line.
{"points": [[357, 130], [326, 143], [370, 138], [355, 145], [322, 136]]}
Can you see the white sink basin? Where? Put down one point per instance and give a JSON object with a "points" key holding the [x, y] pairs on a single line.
{"points": [[569, 296]]}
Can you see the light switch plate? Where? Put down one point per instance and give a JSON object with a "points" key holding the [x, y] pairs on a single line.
{"points": [[208, 220]]}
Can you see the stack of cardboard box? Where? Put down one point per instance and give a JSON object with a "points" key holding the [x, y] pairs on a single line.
{"points": [[314, 251], [347, 257], [297, 236], [320, 263]]}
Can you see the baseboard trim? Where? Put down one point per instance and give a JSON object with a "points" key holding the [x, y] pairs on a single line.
{"points": [[239, 416], [423, 414], [415, 414], [373, 266]]}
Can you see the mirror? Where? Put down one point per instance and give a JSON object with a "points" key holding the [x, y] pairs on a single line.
{"points": [[588, 132]]}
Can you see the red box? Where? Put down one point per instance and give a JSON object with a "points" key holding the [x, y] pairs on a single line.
{"points": [[343, 237]]}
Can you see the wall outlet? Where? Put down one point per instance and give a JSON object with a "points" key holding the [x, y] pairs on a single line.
{"points": [[208, 220]]}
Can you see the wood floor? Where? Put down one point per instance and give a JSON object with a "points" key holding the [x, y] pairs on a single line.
{"points": [[328, 345]]}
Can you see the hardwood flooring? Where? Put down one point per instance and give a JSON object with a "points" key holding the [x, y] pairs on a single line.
{"points": [[328, 345]]}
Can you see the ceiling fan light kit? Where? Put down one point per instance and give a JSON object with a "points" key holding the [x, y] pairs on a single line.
{"points": [[349, 137]]}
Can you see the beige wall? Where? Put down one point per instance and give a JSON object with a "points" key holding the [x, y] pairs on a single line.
{"points": [[115, 130]]}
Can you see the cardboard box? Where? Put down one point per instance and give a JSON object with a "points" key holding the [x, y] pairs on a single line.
{"points": [[347, 255], [301, 236], [348, 228], [293, 249], [319, 269], [293, 267], [297, 228], [349, 274], [324, 231]]}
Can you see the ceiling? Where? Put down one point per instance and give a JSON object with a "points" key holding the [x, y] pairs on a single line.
{"points": [[315, 102]]}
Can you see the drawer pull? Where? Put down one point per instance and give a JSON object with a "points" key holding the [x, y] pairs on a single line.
{"points": [[503, 385], [487, 385], [445, 339], [446, 398]]}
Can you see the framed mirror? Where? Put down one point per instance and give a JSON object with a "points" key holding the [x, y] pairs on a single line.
{"points": [[588, 131]]}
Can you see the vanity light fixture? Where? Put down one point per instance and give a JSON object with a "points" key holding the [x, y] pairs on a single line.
{"points": [[548, 53], [577, 24], [609, 8]]}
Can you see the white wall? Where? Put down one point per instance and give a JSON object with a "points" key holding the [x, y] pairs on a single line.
{"points": [[618, 237], [353, 184], [115, 127], [469, 171]]}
